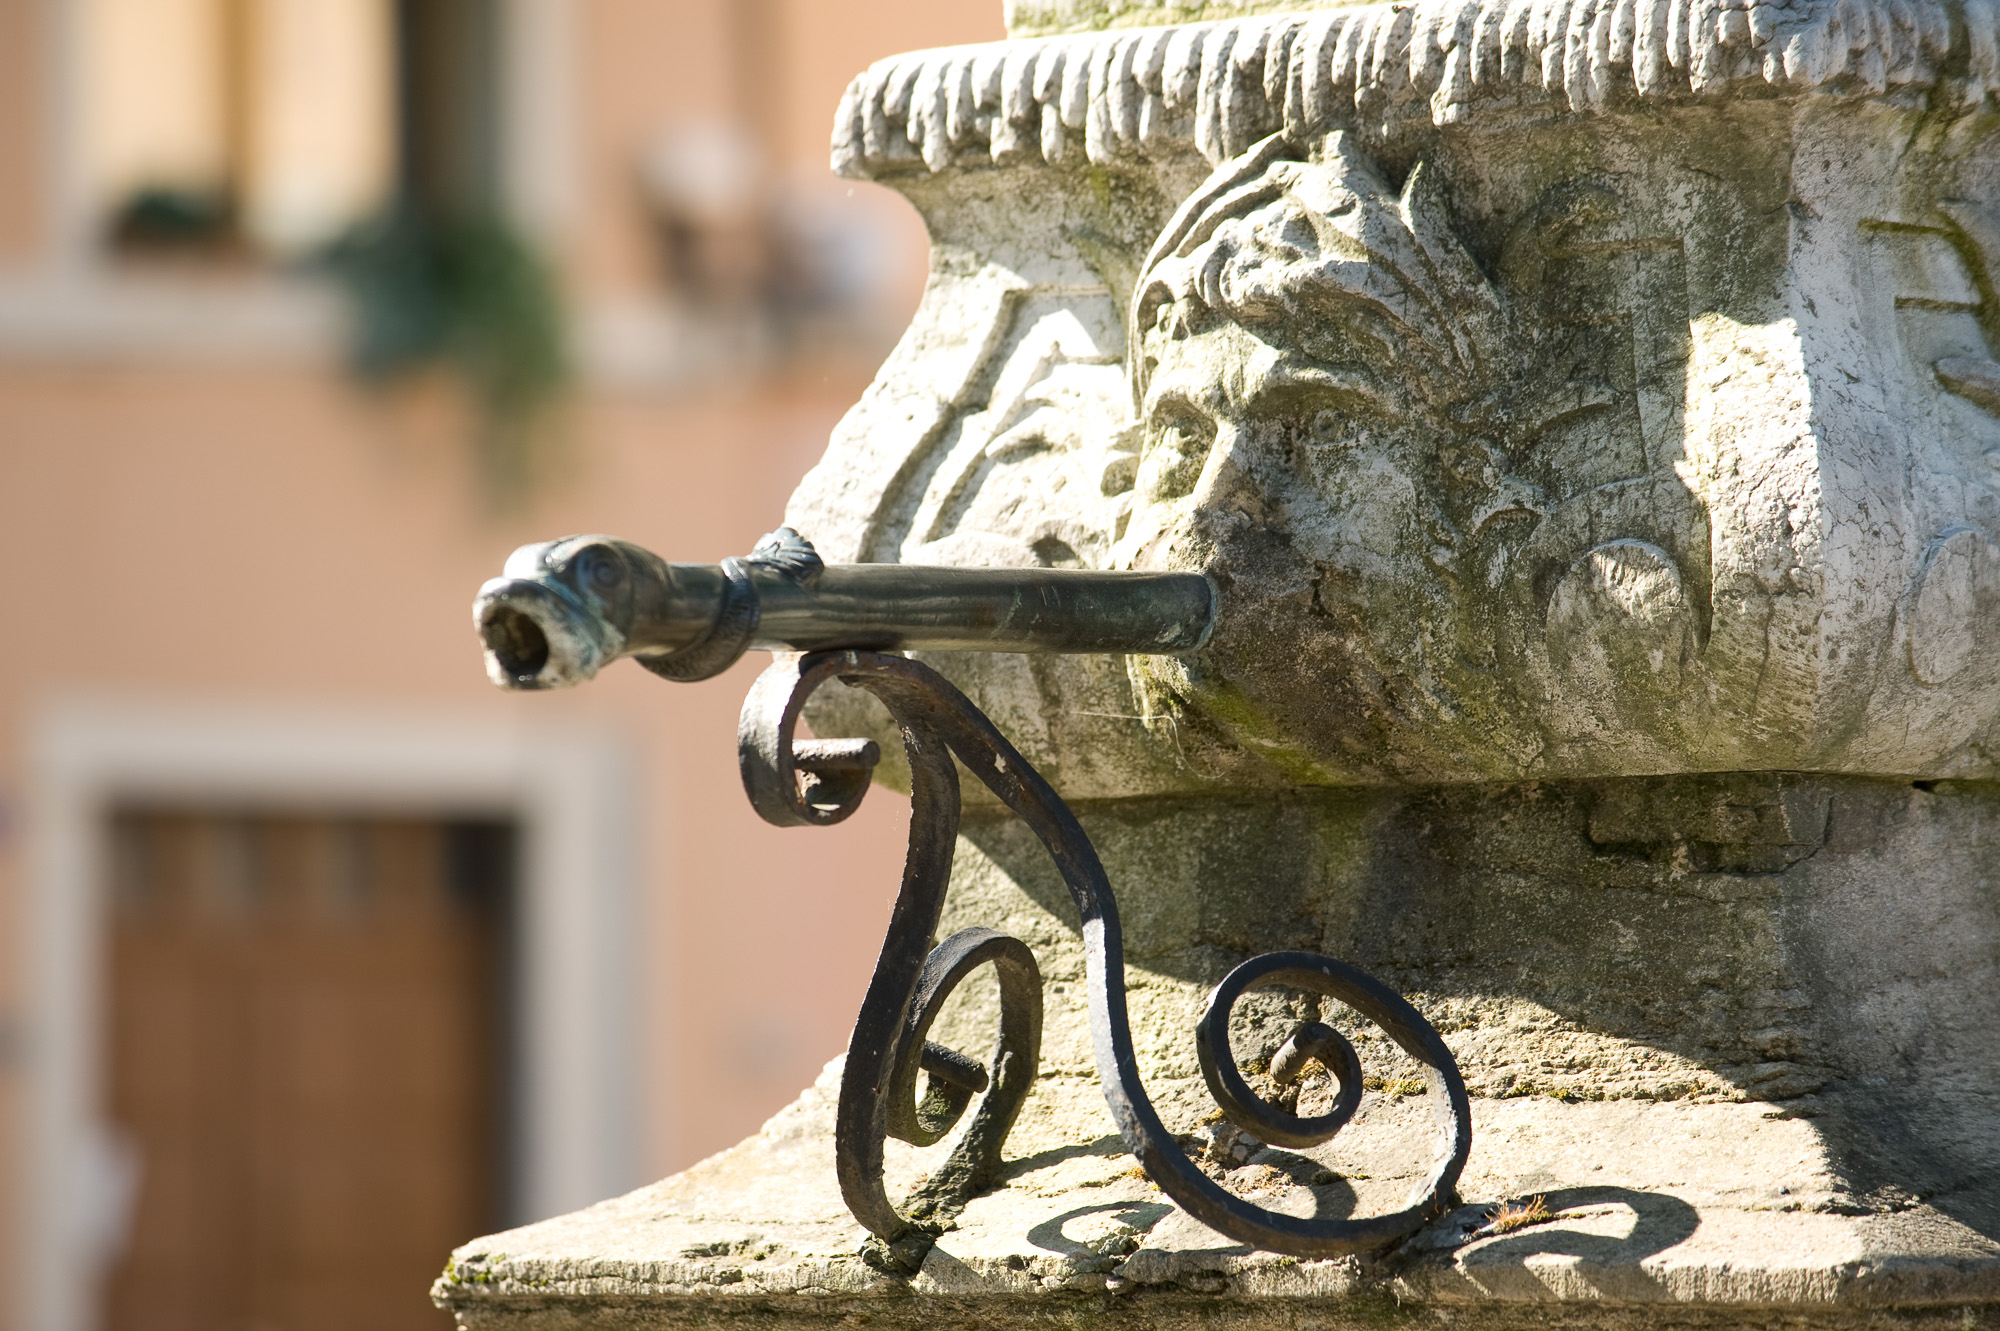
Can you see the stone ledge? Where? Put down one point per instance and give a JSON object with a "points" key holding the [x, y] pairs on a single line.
{"points": [[1218, 87], [1665, 1214], [1177, 1310], [1050, 18]]}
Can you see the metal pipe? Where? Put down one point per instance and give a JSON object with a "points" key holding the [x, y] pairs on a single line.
{"points": [[563, 610]]}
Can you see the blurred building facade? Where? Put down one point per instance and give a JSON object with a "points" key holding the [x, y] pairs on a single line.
{"points": [[323, 955]]}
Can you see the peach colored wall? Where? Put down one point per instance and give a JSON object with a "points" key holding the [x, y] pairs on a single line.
{"points": [[825, 45], [653, 62], [650, 63], [258, 532], [21, 127], [273, 535]]}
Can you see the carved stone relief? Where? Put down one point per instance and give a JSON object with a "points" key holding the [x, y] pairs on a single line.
{"points": [[1466, 468], [1478, 471], [1519, 447], [1941, 269], [1952, 618], [1150, 92], [1034, 476]]}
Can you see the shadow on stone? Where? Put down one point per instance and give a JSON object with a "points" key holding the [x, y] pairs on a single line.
{"points": [[1108, 1145], [1697, 939], [1139, 1216], [1333, 1199], [1660, 1222]]}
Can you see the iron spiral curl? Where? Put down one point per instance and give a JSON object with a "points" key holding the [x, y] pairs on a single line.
{"points": [[815, 783]]}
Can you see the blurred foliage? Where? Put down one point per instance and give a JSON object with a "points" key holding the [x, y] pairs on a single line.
{"points": [[171, 217], [472, 297]]}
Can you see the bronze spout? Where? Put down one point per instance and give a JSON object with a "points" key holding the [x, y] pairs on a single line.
{"points": [[563, 610]]}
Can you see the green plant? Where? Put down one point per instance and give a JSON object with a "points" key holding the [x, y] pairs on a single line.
{"points": [[470, 296]]}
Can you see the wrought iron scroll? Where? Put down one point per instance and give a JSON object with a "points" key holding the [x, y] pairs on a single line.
{"points": [[795, 782]]}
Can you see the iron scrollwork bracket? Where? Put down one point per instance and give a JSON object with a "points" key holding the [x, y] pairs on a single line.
{"points": [[571, 606], [807, 782]]}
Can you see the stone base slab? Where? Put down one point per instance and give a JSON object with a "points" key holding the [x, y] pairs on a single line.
{"points": [[1678, 1214]]}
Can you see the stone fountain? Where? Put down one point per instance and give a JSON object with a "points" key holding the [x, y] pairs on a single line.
{"points": [[1588, 416]]}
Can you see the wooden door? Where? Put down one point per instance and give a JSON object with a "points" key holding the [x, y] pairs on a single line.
{"points": [[307, 1032]]}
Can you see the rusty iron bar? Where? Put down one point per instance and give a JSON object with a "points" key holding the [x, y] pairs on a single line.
{"points": [[567, 608]]}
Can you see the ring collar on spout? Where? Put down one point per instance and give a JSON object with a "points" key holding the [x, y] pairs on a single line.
{"points": [[735, 625]]}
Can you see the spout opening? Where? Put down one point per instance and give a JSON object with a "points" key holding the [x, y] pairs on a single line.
{"points": [[517, 643], [535, 636]]}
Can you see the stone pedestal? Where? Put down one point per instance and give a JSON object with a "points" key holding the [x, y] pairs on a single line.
{"points": [[1586, 410], [1748, 1084]]}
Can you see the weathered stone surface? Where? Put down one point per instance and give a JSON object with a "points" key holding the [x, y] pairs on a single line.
{"points": [[1741, 1074], [1525, 442], [1718, 1206], [1038, 18]]}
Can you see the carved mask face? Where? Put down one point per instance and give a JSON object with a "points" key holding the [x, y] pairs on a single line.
{"points": [[1338, 417], [1234, 425], [1316, 351]]}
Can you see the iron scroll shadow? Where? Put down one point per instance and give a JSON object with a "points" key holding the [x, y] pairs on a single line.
{"points": [[794, 782]]}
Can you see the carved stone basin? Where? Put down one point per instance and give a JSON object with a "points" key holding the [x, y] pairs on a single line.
{"points": [[1550, 404]]}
